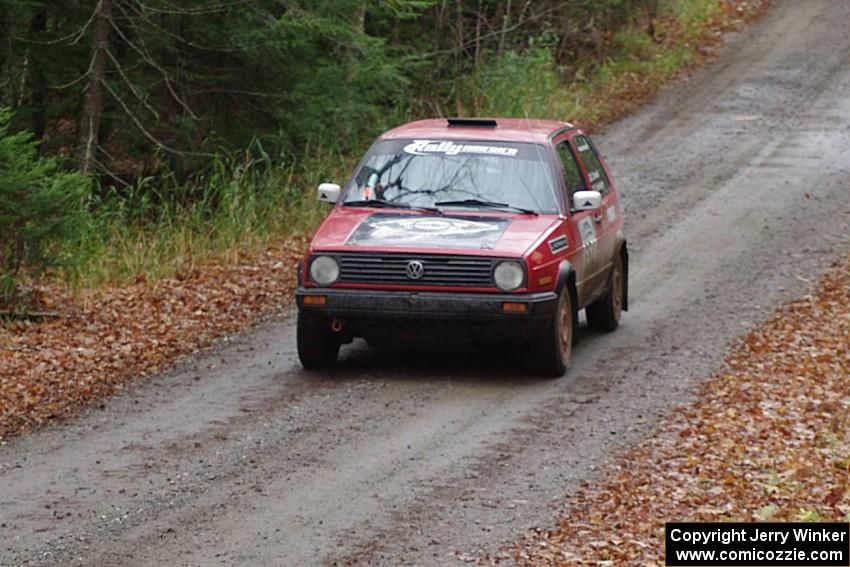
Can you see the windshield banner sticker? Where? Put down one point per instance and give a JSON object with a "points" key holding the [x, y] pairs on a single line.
{"points": [[438, 232], [425, 147]]}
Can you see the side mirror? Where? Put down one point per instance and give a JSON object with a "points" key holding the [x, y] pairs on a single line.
{"points": [[587, 200], [329, 192]]}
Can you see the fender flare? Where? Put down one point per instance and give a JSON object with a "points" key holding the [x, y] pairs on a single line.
{"points": [[622, 248], [567, 278], [565, 273]]}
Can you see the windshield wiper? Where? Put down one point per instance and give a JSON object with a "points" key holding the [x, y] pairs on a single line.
{"points": [[383, 203], [485, 204]]}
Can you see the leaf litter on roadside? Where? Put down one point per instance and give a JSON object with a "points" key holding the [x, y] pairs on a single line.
{"points": [[768, 439], [99, 342]]}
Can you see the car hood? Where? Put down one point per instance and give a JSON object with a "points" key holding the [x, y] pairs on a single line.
{"points": [[352, 230]]}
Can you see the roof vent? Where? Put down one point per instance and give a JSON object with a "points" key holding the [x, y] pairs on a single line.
{"points": [[473, 122]]}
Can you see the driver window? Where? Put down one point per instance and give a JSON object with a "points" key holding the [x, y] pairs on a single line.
{"points": [[595, 171], [573, 180]]}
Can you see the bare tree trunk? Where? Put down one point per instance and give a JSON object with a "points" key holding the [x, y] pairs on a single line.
{"points": [[359, 18], [39, 85], [506, 19], [458, 55], [653, 13], [22, 82], [89, 127], [479, 16], [4, 55]]}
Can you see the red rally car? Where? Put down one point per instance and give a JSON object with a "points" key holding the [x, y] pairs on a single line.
{"points": [[476, 230]]}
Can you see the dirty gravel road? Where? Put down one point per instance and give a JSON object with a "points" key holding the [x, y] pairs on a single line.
{"points": [[736, 184]]}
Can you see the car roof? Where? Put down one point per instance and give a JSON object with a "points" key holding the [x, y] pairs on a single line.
{"points": [[504, 130]]}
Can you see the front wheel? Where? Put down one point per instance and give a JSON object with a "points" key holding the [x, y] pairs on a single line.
{"points": [[604, 313], [551, 354], [317, 348]]}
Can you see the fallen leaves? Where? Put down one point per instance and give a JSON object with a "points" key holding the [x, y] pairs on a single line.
{"points": [[102, 342], [767, 439]]}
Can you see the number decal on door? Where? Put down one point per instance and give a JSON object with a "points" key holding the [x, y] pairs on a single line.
{"points": [[588, 242], [588, 233]]}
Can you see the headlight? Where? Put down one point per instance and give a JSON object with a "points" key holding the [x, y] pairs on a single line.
{"points": [[509, 275], [324, 270]]}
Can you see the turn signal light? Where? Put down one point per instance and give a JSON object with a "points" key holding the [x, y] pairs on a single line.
{"points": [[514, 307], [315, 299]]}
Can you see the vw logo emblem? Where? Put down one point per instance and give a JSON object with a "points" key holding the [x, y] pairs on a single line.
{"points": [[414, 269]]}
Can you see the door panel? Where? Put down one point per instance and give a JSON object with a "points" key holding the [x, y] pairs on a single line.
{"points": [[606, 219], [611, 211], [582, 230]]}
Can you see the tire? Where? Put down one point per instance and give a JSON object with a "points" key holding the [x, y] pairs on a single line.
{"points": [[604, 313], [317, 348], [551, 354]]}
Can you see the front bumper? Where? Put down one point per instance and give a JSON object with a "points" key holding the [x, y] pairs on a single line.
{"points": [[434, 315]]}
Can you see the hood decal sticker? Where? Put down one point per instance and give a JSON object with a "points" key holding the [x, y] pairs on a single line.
{"points": [[428, 231]]}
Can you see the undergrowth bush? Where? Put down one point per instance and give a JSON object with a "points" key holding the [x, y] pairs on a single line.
{"points": [[238, 205], [41, 207], [520, 84]]}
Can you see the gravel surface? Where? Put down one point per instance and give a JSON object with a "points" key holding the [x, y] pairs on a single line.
{"points": [[735, 186]]}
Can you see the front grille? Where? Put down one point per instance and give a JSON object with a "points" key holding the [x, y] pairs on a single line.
{"points": [[439, 269]]}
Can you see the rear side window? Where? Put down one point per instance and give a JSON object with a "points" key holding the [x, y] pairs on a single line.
{"points": [[573, 180], [595, 172]]}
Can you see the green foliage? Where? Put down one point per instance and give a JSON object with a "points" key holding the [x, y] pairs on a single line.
{"points": [[241, 202], [40, 207], [805, 515], [218, 118], [768, 512], [187, 78], [520, 84], [693, 12]]}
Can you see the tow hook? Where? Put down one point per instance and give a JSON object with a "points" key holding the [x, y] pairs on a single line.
{"points": [[336, 326]]}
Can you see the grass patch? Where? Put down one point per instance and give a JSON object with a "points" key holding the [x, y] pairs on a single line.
{"points": [[239, 207]]}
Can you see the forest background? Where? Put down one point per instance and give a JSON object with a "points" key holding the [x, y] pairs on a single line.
{"points": [[139, 138]]}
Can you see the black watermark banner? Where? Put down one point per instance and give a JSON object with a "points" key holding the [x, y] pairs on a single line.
{"points": [[739, 544]]}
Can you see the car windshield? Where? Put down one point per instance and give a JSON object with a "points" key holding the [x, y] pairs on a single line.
{"points": [[449, 174]]}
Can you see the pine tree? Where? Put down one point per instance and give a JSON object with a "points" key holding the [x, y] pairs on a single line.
{"points": [[40, 206]]}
